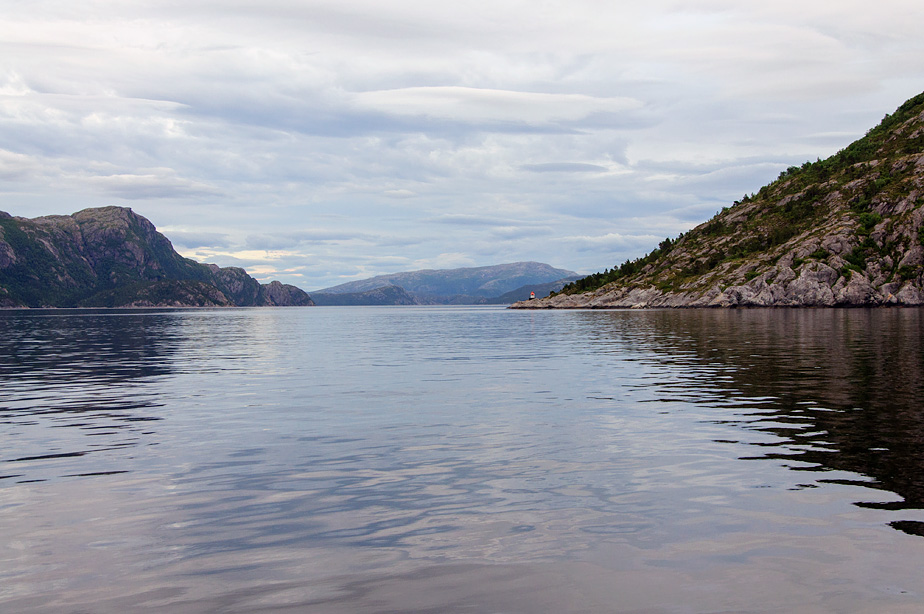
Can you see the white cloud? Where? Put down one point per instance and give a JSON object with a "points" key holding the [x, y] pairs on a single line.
{"points": [[158, 183], [341, 133], [492, 105]]}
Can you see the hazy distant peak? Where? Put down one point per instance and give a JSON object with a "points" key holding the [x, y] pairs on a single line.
{"points": [[484, 281]]}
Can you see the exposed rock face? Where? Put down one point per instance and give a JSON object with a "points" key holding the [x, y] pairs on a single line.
{"points": [[284, 295], [237, 285], [846, 231], [113, 257], [165, 293]]}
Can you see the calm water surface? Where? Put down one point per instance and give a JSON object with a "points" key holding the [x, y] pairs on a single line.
{"points": [[461, 460]]}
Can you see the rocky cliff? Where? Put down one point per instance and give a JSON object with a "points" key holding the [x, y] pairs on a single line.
{"points": [[111, 257], [845, 231]]}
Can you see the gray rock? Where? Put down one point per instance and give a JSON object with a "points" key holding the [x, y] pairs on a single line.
{"points": [[112, 256]]}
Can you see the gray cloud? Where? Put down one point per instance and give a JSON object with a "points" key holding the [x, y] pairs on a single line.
{"points": [[284, 240], [360, 137], [150, 186], [462, 219], [564, 167], [198, 239]]}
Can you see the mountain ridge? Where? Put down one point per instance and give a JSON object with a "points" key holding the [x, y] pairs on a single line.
{"points": [[113, 257], [467, 285], [844, 231]]}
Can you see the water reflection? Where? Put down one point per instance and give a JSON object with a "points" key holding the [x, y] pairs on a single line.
{"points": [[453, 460], [839, 390], [72, 386]]}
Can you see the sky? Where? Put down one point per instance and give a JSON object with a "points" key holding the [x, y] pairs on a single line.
{"points": [[320, 142]]}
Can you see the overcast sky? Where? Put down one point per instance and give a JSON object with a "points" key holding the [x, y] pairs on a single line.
{"points": [[318, 142]]}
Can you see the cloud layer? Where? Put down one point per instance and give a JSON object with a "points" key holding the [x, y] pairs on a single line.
{"points": [[317, 142]]}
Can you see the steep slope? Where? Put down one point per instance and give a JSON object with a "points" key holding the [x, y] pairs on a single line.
{"points": [[845, 231], [111, 257], [455, 285]]}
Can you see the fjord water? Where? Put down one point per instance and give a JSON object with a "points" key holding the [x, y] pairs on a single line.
{"points": [[461, 459]]}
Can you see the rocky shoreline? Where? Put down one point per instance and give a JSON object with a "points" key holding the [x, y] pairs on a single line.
{"points": [[847, 231], [817, 285]]}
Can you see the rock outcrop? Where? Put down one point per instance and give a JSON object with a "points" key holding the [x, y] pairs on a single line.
{"points": [[113, 257], [846, 231]]}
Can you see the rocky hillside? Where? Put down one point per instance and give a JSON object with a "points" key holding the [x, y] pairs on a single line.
{"points": [[112, 257], [845, 231]]}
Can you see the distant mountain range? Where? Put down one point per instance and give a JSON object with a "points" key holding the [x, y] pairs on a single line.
{"points": [[845, 231], [113, 257], [498, 284]]}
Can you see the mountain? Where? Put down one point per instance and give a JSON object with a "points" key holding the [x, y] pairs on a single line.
{"points": [[457, 286], [845, 231], [113, 257], [386, 295], [522, 293]]}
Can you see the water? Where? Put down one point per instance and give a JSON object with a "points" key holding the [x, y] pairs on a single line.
{"points": [[461, 459]]}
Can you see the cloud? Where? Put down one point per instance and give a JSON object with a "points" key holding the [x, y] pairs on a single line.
{"points": [[452, 260], [302, 237], [159, 183], [565, 167], [192, 240], [16, 166], [487, 106], [463, 219], [359, 137], [400, 193]]}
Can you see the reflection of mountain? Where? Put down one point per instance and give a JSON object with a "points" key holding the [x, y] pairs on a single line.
{"points": [[841, 389], [80, 373]]}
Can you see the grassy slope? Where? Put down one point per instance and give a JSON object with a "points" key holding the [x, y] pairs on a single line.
{"points": [[857, 211]]}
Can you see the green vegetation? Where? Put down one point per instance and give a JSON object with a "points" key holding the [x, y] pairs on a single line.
{"points": [[852, 191], [31, 278], [185, 292], [626, 269], [111, 256]]}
